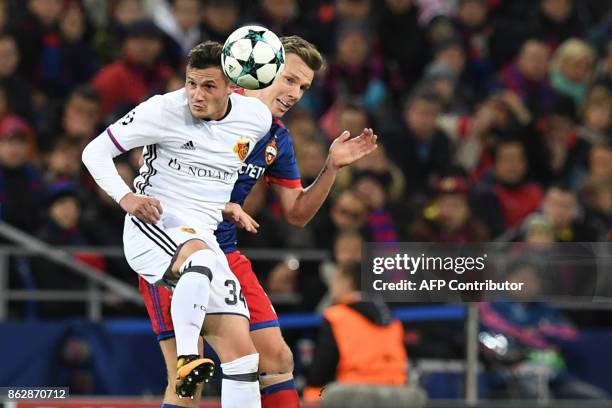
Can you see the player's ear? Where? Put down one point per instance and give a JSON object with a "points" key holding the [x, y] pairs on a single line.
{"points": [[231, 87]]}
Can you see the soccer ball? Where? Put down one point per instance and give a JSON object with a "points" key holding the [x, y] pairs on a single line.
{"points": [[252, 57]]}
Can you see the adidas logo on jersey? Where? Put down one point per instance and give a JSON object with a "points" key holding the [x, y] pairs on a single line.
{"points": [[188, 146]]}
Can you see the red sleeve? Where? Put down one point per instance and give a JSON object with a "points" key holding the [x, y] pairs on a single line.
{"points": [[291, 183]]}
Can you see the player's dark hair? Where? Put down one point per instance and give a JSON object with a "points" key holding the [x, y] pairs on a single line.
{"points": [[205, 55], [303, 49]]}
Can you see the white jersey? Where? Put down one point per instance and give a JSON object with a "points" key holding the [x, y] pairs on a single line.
{"points": [[190, 165]]}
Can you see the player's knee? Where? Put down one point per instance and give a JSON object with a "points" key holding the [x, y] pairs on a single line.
{"points": [[285, 359], [277, 360], [243, 369], [187, 249]]}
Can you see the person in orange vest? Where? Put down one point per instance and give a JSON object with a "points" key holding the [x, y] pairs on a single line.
{"points": [[359, 342]]}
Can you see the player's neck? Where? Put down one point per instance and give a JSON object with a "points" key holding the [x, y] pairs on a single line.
{"points": [[223, 115]]}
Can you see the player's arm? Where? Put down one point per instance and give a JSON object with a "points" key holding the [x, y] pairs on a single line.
{"points": [[98, 155], [300, 205], [233, 212]]}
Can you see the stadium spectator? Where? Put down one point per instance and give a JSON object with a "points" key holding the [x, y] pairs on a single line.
{"points": [[600, 163], [597, 115], [402, 41], [596, 199], [476, 32], [348, 211], [15, 84], [422, 150], [344, 351], [528, 76], [557, 20], [357, 71], [324, 23], [135, 75], [504, 198], [180, 21], [380, 220], [348, 248], [604, 70], [279, 16], [220, 18], [344, 115], [62, 227], [561, 209], [79, 119], [38, 36], [567, 152], [122, 14], [79, 62], [21, 188], [571, 69], [62, 162], [449, 218]]}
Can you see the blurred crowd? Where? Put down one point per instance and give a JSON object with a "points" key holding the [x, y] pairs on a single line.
{"points": [[489, 113]]}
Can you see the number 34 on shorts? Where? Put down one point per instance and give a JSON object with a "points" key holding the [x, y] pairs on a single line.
{"points": [[235, 293]]}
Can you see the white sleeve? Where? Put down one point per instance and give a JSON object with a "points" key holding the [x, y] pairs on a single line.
{"points": [[98, 158], [144, 125]]}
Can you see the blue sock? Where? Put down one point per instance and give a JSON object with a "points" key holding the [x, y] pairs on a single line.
{"points": [[164, 405]]}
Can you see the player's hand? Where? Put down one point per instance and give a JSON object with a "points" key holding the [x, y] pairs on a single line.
{"points": [[233, 212], [146, 209], [344, 150]]}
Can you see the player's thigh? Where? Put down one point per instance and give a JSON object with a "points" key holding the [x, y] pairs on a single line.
{"points": [[228, 335], [148, 248], [274, 353]]}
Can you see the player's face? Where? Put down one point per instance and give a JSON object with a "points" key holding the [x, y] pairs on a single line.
{"points": [[208, 92], [288, 88]]}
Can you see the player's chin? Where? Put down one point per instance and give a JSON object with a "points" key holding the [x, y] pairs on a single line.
{"points": [[199, 113], [279, 113]]}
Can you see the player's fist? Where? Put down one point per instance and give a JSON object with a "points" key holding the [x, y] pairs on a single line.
{"points": [[233, 212], [146, 209]]}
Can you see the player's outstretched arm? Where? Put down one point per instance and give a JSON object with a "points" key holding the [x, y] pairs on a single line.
{"points": [[299, 206], [233, 212]]}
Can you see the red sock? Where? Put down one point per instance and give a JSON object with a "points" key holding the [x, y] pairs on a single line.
{"points": [[281, 395]]}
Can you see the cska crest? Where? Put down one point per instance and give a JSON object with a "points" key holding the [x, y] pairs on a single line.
{"points": [[241, 148], [271, 152]]}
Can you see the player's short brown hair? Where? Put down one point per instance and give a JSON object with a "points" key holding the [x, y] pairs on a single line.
{"points": [[303, 49], [205, 55]]}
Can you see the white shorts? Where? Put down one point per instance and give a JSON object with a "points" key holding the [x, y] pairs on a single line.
{"points": [[150, 249]]}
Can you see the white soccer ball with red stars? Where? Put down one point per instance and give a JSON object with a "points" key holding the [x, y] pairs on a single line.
{"points": [[252, 57]]}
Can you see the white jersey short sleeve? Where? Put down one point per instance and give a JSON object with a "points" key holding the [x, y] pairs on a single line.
{"points": [[143, 125]]}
